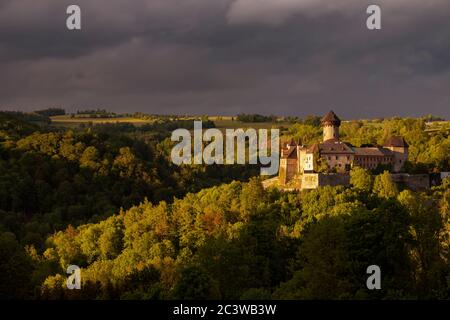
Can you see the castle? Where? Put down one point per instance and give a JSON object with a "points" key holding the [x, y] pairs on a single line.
{"points": [[333, 155]]}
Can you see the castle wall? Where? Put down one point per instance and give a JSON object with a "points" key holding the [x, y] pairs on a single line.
{"points": [[415, 182], [445, 175], [282, 172], [288, 169], [400, 157], [315, 180], [310, 180], [438, 177], [335, 179]]}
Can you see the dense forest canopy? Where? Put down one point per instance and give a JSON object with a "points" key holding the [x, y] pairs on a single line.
{"points": [[255, 118], [240, 241], [52, 178], [107, 198]]}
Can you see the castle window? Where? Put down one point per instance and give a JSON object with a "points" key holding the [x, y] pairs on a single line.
{"points": [[329, 158], [337, 157]]}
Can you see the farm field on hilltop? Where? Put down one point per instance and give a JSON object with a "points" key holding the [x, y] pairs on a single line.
{"points": [[68, 120]]}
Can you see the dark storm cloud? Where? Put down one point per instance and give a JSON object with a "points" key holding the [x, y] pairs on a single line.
{"points": [[227, 56]]}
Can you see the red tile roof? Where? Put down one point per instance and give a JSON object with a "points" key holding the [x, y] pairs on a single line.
{"points": [[380, 152]]}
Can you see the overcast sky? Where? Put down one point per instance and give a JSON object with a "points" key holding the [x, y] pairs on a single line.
{"points": [[285, 57]]}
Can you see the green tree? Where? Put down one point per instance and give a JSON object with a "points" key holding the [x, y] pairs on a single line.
{"points": [[195, 284], [15, 269], [384, 187], [361, 179], [306, 133], [90, 158], [323, 258], [426, 250], [252, 196], [125, 162]]}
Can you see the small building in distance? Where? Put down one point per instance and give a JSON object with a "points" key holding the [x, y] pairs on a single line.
{"points": [[335, 156]]}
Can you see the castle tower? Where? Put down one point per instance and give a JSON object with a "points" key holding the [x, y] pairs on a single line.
{"points": [[288, 163], [399, 148], [330, 125]]}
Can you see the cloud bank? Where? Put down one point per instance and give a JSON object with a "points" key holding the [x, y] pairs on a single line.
{"points": [[226, 57]]}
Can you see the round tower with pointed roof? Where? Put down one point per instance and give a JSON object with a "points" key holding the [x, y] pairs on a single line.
{"points": [[330, 124]]}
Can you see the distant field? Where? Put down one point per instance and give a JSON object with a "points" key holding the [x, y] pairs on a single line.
{"points": [[68, 120], [219, 118], [229, 124], [220, 122]]}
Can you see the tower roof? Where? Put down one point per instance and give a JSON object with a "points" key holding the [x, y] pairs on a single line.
{"points": [[331, 118], [396, 141]]}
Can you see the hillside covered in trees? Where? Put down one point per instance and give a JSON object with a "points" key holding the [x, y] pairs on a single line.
{"points": [[53, 177], [108, 199], [239, 241]]}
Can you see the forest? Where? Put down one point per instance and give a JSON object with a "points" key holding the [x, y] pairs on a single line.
{"points": [[108, 199]]}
